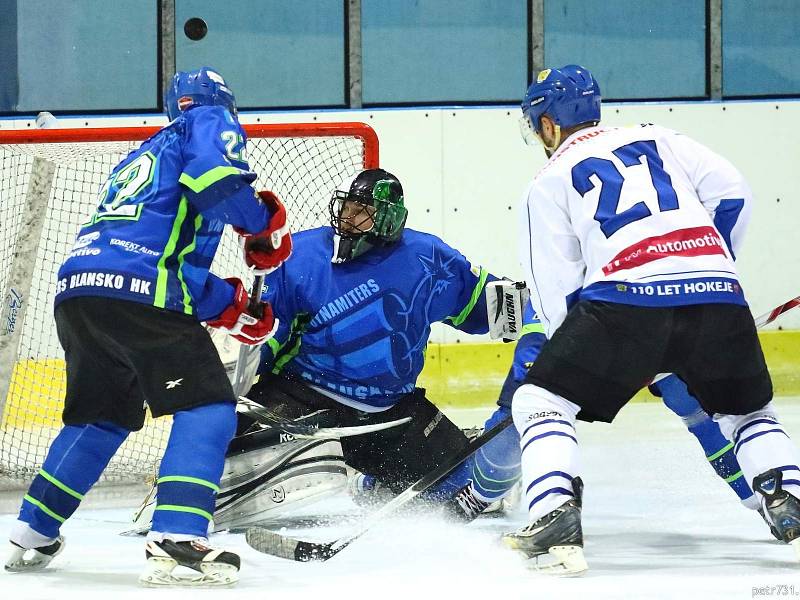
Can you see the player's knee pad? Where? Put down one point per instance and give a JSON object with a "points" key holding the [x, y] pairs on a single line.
{"points": [[730, 425], [532, 402], [198, 441], [213, 424]]}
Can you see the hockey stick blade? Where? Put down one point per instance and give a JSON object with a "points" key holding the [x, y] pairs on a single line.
{"points": [[275, 544], [269, 542], [299, 430]]}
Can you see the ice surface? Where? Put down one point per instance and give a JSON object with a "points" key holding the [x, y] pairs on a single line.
{"points": [[658, 524]]}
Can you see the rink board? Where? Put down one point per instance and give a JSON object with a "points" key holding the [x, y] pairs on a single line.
{"points": [[455, 375]]}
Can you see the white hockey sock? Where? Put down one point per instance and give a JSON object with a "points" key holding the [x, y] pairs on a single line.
{"points": [[546, 424], [760, 444], [22, 535], [160, 536]]}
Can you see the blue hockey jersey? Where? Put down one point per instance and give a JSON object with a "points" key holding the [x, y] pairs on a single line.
{"points": [[358, 330], [160, 218]]}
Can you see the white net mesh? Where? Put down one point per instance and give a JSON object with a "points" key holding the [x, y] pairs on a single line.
{"points": [[302, 169]]}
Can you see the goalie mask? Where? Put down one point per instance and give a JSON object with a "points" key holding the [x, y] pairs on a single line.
{"points": [[366, 211]]}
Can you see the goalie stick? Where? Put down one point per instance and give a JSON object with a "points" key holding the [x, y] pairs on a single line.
{"points": [[301, 430], [272, 543]]}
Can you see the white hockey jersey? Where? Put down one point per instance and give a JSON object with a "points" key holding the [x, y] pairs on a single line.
{"points": [[634, 215]]}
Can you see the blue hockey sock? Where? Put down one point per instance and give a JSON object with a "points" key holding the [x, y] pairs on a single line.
{"points": [[188, 480], [493, 469], [717, 448], [496, 466], [74, 463], [727, 466]]}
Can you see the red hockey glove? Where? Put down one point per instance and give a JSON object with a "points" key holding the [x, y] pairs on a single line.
{"points": [[266, 251], [238, 321]]}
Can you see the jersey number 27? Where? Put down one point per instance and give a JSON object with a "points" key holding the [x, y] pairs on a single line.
{"points": [[612, 180]]}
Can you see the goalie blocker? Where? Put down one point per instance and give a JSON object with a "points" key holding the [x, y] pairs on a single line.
{"points": [[505, 302]]}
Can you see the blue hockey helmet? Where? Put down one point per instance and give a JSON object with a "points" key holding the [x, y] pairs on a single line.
{"points": [[203, 87], [569, 95]]}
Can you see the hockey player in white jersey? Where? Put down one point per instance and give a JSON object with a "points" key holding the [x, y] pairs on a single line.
{"points": [[628, 241]]}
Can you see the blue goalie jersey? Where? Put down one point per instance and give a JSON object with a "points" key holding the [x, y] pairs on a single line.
{"points": [[160, 218], [357, 331]]}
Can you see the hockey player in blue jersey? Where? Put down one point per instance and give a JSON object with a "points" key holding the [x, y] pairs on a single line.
{"points": [[355, 305], [130, 299]]}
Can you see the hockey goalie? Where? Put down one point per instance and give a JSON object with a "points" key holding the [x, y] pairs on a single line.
{"points": [[355, 304]]}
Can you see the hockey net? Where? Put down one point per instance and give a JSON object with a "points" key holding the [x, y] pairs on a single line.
{"points": [[49, 182]]}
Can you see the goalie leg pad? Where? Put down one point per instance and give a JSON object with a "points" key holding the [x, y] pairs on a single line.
{"points": [[261, 484]]}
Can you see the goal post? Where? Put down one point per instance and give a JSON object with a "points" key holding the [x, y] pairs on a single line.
{"points": [[49, 184]]}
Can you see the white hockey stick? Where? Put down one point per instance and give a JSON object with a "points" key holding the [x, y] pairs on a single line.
{"points": [[243, 376]]}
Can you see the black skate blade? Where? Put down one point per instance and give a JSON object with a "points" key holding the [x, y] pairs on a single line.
{"points": [[274, 544]]}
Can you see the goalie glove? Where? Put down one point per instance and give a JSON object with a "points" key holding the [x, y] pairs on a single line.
{"points": [[505, 303], [267, 250], [250, 325]]}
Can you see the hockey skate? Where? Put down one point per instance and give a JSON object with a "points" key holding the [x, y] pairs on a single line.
{"points": [[465, 506], [33, 559], [555, 542], [782, 509], [215, 568]]}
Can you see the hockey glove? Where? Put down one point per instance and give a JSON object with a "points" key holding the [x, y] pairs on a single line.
{"points": [[249, 326], [267, 250], [505, 304]]}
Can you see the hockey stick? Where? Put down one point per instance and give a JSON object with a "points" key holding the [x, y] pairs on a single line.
{"points": [[240, 385], [300, 430], [269, 542], [777, 312]]}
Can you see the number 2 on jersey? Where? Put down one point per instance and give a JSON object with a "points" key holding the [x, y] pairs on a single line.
{"points": [[124, 185], [612, 181]]}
